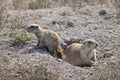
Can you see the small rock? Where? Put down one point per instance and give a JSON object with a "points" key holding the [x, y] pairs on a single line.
{"points": [[64, 14], [71, 23], [9, 53], [95, 28], [45, 28], [54, 22], [107, 49], [102, 12], [107, 55]]}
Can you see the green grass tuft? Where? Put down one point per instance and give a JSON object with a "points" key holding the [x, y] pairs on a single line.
{"points": [[19, 37]]}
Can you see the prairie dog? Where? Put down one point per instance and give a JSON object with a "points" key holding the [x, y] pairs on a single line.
{"points": [[81, 54], [47, 38]]}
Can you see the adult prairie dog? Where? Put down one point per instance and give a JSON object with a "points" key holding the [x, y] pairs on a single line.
{"points": [[47, 38], [81, 54]]}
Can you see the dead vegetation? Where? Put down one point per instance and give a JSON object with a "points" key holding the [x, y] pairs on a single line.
{"points": [[38, 4], [22, 69], [110, 70], [43, 4]]}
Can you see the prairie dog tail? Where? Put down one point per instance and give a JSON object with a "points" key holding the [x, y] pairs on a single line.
{"points": [[59, 52]]}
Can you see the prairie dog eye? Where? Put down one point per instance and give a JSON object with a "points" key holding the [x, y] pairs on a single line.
{"points": [[31, 26], [89, 42]]}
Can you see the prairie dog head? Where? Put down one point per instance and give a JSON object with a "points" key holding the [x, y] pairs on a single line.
{"points": [[89, 44], [34, 28]]}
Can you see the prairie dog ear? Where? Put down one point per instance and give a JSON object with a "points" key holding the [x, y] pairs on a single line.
{"points": [[83, 42]]}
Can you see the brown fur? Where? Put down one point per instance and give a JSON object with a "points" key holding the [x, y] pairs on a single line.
{"points": [[47, 38], [81, 54]]}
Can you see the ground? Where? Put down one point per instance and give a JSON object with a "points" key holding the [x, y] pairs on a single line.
{"points": [[87, 23]]}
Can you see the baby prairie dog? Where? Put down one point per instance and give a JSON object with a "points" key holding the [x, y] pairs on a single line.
{"points": [[81, 54], [47, 38]]}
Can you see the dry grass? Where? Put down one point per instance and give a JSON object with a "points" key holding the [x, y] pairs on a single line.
{"points": [[117, 6], [109, 69], [2, 8], [35, 4], [41, 74], [108, 73], [38, 4], [23, 70]]}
